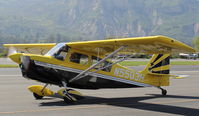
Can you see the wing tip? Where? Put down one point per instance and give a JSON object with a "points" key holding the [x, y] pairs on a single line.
{"points": [[189, 49]]}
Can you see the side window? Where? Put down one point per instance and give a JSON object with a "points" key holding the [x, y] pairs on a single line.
{"points": [[79, 58], [61, 54], [96, 60], [104, 64]]}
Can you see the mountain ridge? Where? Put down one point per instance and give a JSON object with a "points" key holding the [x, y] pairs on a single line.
{"points": [[74, 20]]}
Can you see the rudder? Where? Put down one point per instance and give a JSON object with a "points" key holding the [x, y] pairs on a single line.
{"points": [[159, 64]]}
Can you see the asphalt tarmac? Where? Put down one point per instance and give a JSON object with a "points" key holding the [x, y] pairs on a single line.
{"points": [[182, 98]]}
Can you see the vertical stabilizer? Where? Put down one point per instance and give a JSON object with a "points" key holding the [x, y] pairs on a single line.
{"points": [[159, 64]]}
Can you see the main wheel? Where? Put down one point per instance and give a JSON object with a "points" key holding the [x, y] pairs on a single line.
{"points": [[69, 101], [164, 92], [68, 98], [37, 96]]}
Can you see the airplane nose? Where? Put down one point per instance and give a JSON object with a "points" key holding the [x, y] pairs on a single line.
{"points": [[25, 65], [25, 62]]}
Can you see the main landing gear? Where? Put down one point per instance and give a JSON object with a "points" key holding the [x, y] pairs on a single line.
{"points": [[69, 95], [164, 91]]}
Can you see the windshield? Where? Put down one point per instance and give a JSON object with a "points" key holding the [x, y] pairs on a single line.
{"points": [[55, 49]]}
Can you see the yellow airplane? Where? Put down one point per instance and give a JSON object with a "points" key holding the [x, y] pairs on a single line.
{"points": [[89, 65]]}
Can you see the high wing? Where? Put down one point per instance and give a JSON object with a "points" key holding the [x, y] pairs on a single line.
{"points": [[150, 45], [29, 48]]}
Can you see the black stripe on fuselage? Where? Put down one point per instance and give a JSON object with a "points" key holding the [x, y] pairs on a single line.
{"points": [[55, 76]]}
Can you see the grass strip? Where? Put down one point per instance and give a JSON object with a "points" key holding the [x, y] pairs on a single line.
{"points": [[8, 66]]}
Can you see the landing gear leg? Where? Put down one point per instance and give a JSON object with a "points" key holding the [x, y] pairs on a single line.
{"points": [[66, 96], [44, 87], [164, 91]]}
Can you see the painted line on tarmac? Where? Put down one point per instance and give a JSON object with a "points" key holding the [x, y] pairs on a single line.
{"points": [[55, 109], [103, 105], [9, 75]]}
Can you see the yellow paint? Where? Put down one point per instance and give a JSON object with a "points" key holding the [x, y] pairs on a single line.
{"points": [[16, 57], [166, 67], [151, 45], [141, 77], [163, 57], [30, 48], [179, 77], [61, 93], [75, 92], [38, 90], [30, 45]]}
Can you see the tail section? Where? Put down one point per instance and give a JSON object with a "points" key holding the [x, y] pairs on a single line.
{"points": [[157, 70], [159, 64]]}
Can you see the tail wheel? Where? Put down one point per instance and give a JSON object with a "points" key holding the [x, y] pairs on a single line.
{"points": [[37, 96], [164, 92]]}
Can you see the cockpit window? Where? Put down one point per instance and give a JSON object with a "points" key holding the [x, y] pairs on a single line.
{"points": [[61, 54], [103, 64], [79, 58], [59, 51]]}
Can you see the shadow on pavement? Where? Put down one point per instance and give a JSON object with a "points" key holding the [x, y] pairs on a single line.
{"points": [[134, 102]]}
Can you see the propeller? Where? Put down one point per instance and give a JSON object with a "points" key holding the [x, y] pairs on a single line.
{"points": [[12, 50], [25, 62]]}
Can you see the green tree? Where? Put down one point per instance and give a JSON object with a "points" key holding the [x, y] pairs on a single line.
{"points": [[196, 43]]}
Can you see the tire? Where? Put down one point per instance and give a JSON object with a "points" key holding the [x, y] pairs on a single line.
{"points": [[36, 96], [66, 100], [164, 92]]}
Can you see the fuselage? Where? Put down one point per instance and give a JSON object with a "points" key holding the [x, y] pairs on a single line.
{"points": [[62, 63], [55, 74]]}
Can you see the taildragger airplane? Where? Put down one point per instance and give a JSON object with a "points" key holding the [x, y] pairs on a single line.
{"points": [[89, 65]]}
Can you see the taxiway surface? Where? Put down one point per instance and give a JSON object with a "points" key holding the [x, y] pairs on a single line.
{"points": [[182, 98]]}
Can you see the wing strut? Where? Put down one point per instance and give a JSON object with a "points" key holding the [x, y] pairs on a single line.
{"points": [[80, 75], [124, 58]]}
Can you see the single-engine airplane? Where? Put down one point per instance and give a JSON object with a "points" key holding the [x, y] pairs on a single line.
{"points": [[89, 65]]}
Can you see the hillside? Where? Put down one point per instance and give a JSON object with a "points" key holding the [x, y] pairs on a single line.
{"points": [[73, 20]]}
